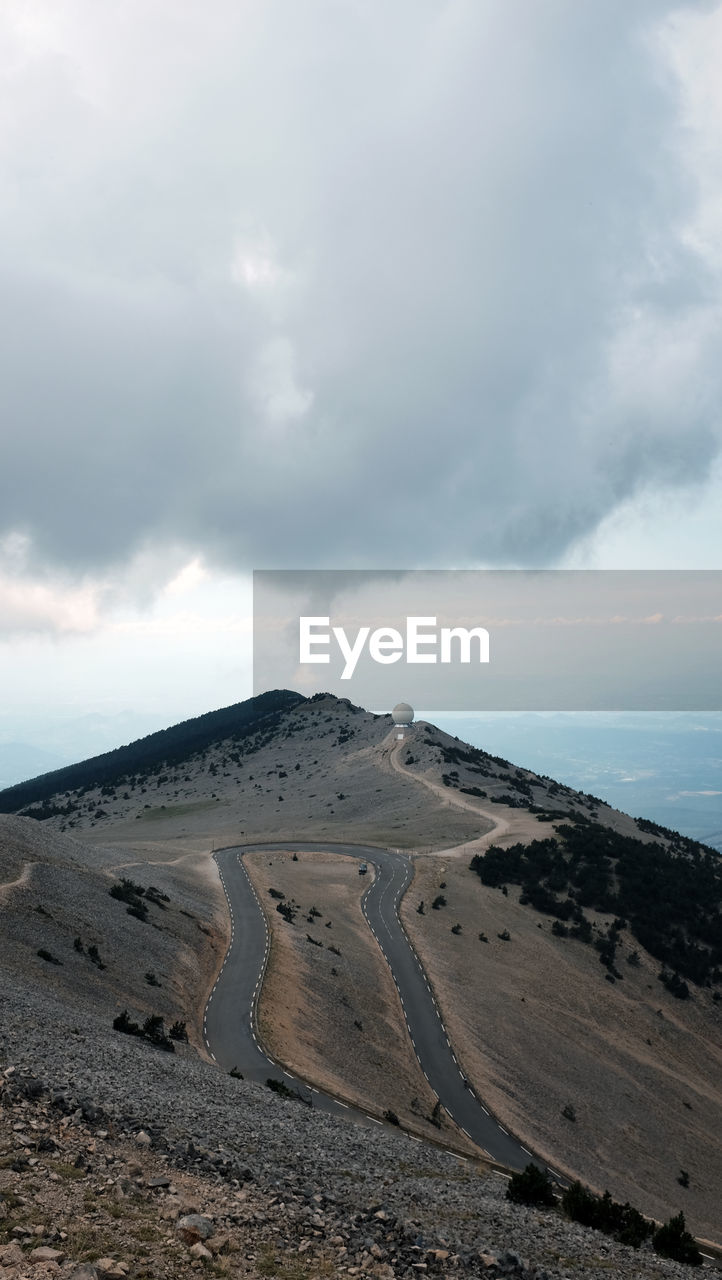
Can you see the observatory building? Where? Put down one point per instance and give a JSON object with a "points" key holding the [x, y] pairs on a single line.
{"points": [[403, 717]]}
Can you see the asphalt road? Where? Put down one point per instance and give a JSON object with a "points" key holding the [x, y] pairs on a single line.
{"points": [[230, 1019]]}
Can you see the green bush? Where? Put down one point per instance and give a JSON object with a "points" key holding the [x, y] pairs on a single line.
{"points": [[154, 1031], [621, 1221], [532, 1186], [673, 1240], [123, 1023]]}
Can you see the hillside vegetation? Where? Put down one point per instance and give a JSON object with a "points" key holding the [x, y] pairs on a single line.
{"points": [[669, 895]]}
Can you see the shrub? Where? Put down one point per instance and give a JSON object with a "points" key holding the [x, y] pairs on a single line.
{"points": [[456, 928], [126, 891], [391, 1117], [439, 901], [179, 1032], [620, 1221], [78, 944], [155, 896], [532, 1186], [123, 1023], [48, 957], [674, 984], [94, 956], [151, 979], [154, 1031], [673, 1240], [282, 1089], [579, 1204], [504, 935]]}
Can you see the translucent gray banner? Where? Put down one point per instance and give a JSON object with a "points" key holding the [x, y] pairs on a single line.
{"points": [[494, 640]]}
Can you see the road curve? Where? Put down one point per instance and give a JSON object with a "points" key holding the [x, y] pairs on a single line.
{"points": [[230, 1027]]}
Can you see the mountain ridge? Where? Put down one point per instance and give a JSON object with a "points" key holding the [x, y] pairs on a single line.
{"points": [[321, 768]]}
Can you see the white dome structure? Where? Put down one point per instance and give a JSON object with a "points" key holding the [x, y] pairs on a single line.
{"points": [[403, 714]]}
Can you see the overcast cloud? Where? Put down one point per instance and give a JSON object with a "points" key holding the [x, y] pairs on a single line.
{"points": [[343, 284]]}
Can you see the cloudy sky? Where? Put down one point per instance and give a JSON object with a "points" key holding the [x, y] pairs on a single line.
{"points": [[321, 283]]}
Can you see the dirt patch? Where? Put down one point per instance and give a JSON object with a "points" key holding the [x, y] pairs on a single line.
{"points": [[329, 1008]]}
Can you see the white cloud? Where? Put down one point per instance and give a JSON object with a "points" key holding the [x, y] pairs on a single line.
{"points": [[445, 282], [275, 386]]}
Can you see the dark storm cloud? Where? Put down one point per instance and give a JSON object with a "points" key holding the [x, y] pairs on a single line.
{"points": [[331, 285]]}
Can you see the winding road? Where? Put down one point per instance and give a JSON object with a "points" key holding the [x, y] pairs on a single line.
{"points": [[230, 1020]]}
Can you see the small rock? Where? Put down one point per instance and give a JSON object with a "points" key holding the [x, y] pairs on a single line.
{"points": [[143, 1139], [44, 1254], [11, 1255], [84, 1272], [199, 1250], [194, 1227], [109, 1269], [220, 1244]]}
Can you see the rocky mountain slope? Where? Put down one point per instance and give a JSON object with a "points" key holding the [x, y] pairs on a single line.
{"points": [[321, 769]]}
